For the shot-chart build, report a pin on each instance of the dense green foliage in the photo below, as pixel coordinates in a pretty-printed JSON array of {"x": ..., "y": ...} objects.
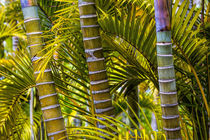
[{"x": 129, "y": 37}]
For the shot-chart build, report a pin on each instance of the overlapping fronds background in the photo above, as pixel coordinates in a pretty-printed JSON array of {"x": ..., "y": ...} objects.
[{"x": 128, "y": 33}]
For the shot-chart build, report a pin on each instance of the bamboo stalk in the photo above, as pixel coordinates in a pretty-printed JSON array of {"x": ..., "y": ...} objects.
[
  {"x": 45, "y": 85},
  {"x": 167, "y": 82},
  {"x": 95, "y": 59}
]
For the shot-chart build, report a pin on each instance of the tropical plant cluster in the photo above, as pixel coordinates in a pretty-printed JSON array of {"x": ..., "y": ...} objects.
[{"x": 127, "y": 29}]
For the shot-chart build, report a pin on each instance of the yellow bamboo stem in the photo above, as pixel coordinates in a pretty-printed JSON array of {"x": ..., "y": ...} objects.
[{"x": 45, "y": 85}]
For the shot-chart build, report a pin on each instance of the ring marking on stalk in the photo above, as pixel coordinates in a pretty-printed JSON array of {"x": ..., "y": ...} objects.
[
  {"x": 100, "y": 91},
  {"x": 166, "y": 80},
  {"x": 88, "y": 16},
  {"x": 96, "y": 72},
  {"x": 47, "y": 70},
  {"x": 170, "y": 117},
  {"x": 102, "y": 101},
  {"x": 165, "y": 55},
  {"x": 89, "y": 26},
  {"x": 50, "y": 107},
  {"x": 165, "y": 67},
  {"x": 98, "y": 82},
  {"x": 104, "y": 126},
  {"x": 99, "y": 111},
  {"x": 91, "y": 59},
  {"x": 55, "y": 133},
  {"x": 85, "y": 4},
  {"x": 35, "y": 58},
  {"x": 33, "y": 45},
  {"x": 91, "y": 38},
  {"x": 168, "y": 93},
  {"x": 52, "y": 119},
  {"x": 92, "y": 50},
  {"x": 164, "y": 44},
  {"x": 45, "y": 83},
  {"x": 45, "y": 96},
  {"x": 169, "y": 105},
  {"x": 30, "y": 19},
  {"x": 172, "y": 129},
  {"x": 103, "y": 119},
  {"x": 33, "y": 33}
]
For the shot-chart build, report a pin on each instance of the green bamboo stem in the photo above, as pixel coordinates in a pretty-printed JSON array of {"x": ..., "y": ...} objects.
[
  {"x": 95, "y": 59},
  {"x": 45, "y": 85},
  {"x": 167, "y": 82}
]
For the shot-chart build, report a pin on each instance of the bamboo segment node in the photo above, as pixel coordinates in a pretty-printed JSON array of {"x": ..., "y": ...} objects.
[
  {"x": 46, "y": 70},
  {"x": 100, "y": 91},
  {"x": 94, "y": 59},
  {"x": 31, "y": 19},
  {"x": 92, "y": 50},
  {"x": 91, "y": 53},
  {"x": 102, "y": 101},
  {"x": 100, "y": 111},
  {"x": 45, "y": 83},
  {"x": 89, "y": 26},
  {"x": 98, "y": 82},
  {"x": 96, "y": 72},
  {"x": 169, "y": 105},
  {"x": 90, "y": 38},
  {"x": 170, "y": 117},
  {"x": 50, "y": 107},
  {"x": 52, "y": 119},
  {"x": 168, "y": 93},
  {"x": 104, "y": 126},
  {"x": 33, "y": 45},
  {"x": 172, "y": 129},
  {"x": 55, "y": 133},
  {"x": 114, "y": 133},
  {"x": 33, "y": 33},
  {"x": 103, "y": 119},
  {"x": 88, "y": 16},
  {"x": 165, "y": 55},
  {"x": 35, "y": 58},
  {"x": 163, "y": 43},
  {"x": 165, "y": 67},
  {"x": 86, "y": 3},
  {"x": 48, "y": 95},
  {"x": 166, "y": 81}
]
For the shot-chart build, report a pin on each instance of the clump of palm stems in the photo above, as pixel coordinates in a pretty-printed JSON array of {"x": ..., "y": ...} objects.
[{"x": 127, "y": 30}]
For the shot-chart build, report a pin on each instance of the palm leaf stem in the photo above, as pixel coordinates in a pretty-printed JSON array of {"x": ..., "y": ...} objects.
[{"x": 197, "y": 79}]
